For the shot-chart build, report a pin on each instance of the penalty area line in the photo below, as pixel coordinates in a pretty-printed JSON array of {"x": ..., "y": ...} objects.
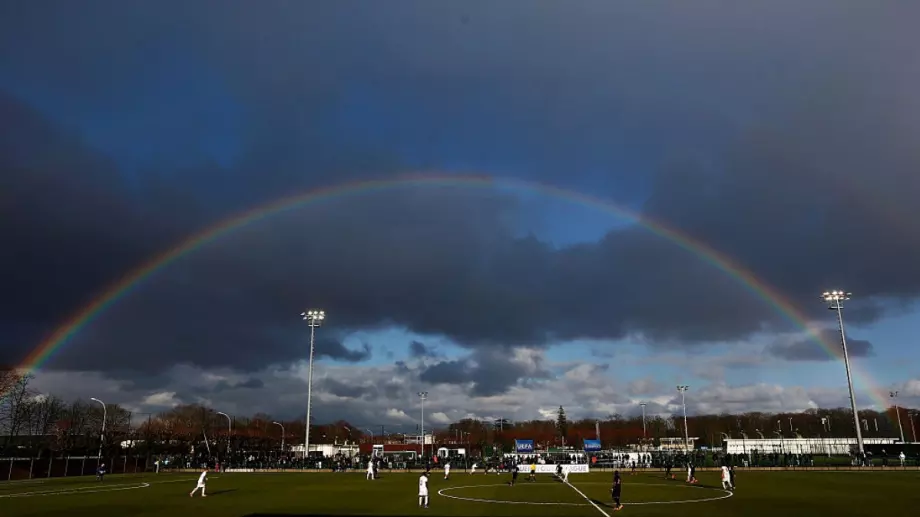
[{"x": 605, "y": 514}]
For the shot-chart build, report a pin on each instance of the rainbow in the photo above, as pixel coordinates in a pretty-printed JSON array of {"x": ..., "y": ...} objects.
[{"x": 122, "y": 287}]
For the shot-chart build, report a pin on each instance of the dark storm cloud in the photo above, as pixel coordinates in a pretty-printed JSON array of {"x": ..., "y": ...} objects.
[
  {"x": 418, "y": 349},
  {"x": 251, "y": 383},
  {"x": 336, "y": 350},
  {"x": 341, "y": 389},
  {"x": 489, "y": 372},
  {"x": 803, "y": 349},
  {"x": 793, "y": 154}
]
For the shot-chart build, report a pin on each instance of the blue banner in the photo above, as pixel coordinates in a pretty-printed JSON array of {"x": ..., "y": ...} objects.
[
  {"x": 523, "y": 446},
  {"x": 592, "y": 445}
]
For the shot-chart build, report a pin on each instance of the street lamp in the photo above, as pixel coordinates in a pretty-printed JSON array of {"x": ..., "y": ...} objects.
[
  {"x": 897, "y": 411},
  {"x": 314, "y": 318},
  {"x": 643, "y": 404},
  {"x": 102, "y": 434},
  {"x": 279, "y": 424},
  {"x": 422, "y": 395},
  {"x": 229, "y": 429},
  {"x": 835, "y": 301},
  {"x": 683, "y": 390}
]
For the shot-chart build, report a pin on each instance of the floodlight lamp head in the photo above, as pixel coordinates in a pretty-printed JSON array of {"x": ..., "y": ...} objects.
[
  {"x": 835, "y": 296},
  {"x": 314, "y": 316}
]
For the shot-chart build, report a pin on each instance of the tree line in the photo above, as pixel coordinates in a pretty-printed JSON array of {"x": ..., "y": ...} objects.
[{"x": 36, "y": 424}]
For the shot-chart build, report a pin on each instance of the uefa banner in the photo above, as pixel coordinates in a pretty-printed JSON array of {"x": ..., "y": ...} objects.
[
  {"x": 523, "y": 446},
  {"x": 578, "y": 468},
  {"x": 592, "y": 445}
]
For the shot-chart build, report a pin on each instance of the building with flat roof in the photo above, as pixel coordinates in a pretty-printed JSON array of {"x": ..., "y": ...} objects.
[{"x": 829, "y": 446}]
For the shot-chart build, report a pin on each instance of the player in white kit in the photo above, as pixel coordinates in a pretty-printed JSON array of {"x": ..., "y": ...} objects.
[
  {"x": 473, "y": 468},
  {"x": 202, "y": 481},
  {"x": 370, "y": 469},
  {"x": 423, "y": 490},
  {"x": 726, "y": 479},
  {"x": 447, "y": 470}
]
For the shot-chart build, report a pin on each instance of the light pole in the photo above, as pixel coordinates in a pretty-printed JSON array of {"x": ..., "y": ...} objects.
[
  {"x": 835, "y": 301},
  {"x": 897, "y": 411},
  {"x": 911, "y": 415},
  {"x": 725, "y": 436},
  {"x": 422, "y": 395},
  {"x": 102, "y": 434},
  {"x": 683, "y": 401},
  {"x": 279, "y": 424},
  {"x": 644, "y": 435},
  {"x": 314, "y": 318},
  {"x": 373, "y": 438},
  {"x": 229, "y": 429},
  {"x": 782, "y": 445}
]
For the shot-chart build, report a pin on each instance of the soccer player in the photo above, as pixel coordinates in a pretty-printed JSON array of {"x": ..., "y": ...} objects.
[
  {"x": 559, "y": 471},
  {"x": 202, "y": 481},
  {"x": 615, "y": 491},
  {"x": 370, "y": 469},
  {"x": 726, "y": 478},
  {"x": 533, "y": 471},
  {"x": 514, "y": 474},
  {"x": 693, "y": 474},
  {"x": 689, "y": 473},
  {"x": 447, "y": 471},
  {"x": 100, "y": 473},
  {"x": 731, "y": 476},
  {"x": 667, "y": 468},
  {"x": 473, "y": 468},
  {"x": 423, "y": 490}
]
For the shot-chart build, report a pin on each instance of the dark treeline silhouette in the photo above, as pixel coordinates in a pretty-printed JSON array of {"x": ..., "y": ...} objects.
[{"x": 37, "y": 425}]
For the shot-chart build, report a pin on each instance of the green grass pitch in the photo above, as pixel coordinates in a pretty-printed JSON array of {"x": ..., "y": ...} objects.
[{"x": 345, "y": 494}]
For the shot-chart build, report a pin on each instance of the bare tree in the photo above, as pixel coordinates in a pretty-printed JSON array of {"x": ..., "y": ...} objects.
[{"x": 14, "y": 407}]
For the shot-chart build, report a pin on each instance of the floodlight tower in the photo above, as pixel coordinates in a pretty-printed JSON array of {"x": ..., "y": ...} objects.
[
  {"x": 643, "y": 404},
  {"x": 897, "y": 411},
  {"x": 683, "y": 390},
  {"x": 314, "y": 318},
  {"x": 835, "y": 301},
  {"x": 422, "y": 395}
]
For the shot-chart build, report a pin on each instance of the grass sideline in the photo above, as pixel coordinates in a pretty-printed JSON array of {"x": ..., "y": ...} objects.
[{"x": 850, "y": 493}]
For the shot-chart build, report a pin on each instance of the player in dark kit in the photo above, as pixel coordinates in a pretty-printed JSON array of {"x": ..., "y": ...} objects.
[
  {"x": 615, "y": 491},
  {"x": 667, "y": 468},
  {"x": 514, "y": 474}
]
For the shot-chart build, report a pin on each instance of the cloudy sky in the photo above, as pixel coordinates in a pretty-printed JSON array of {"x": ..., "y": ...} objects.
[{"x": 782, "y": 135}]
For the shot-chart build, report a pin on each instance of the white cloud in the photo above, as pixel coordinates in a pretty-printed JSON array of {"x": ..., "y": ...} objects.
[
  {"x": 387, "y": 394},
  {"x": 162, "y": 399},
  {"x": 440, "y": 418}
]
